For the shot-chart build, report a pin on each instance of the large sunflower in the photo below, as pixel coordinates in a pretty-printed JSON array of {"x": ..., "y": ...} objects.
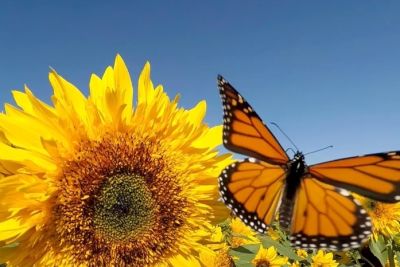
[{"x": 98, "y": 181}]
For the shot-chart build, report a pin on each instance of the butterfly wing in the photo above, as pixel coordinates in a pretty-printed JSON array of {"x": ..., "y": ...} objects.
[
  {"x": 244, "y": 132},
  {"x": 325, "y": 216},
  {"x": 252, "y": 190},
  {"x": 375, "y": 176}
]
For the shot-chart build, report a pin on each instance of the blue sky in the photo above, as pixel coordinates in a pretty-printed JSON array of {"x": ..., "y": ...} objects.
[{"x": 326, "y": 71}]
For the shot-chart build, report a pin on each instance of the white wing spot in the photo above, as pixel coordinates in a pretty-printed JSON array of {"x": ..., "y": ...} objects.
[{"x": 344, "y": 192}]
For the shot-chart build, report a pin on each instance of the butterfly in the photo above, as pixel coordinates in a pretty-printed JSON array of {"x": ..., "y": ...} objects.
[{"x": 313, "y": 203}]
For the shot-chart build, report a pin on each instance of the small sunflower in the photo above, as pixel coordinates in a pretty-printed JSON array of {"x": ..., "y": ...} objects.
[
  {"x": 95, "y": 181},
  {"x": 273, "y": 233},
  {"x": 322, "y": 259},
  {"x": 242, "y": 234},
  {"x": 302, "y": 253},
  {"x": 216, "y": 238},
  {"x": 219, "y": 258},
  {"x": 385, "y": 217},
  {"x": 268, "y": 257}
]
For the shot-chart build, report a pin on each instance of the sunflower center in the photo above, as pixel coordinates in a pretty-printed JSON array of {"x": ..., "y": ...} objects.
[
  {"x": 123, "y": 208},
  {"x": 263, "y": 263},
  {"x": 121, "y": 211}
]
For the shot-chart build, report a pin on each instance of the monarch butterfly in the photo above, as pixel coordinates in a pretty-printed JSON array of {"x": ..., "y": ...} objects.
[{"x": 313, "y": 202}]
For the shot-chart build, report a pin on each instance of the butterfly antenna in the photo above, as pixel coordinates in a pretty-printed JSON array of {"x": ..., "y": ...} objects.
[
  {"x": 290, "y": 149},
  {"x": 319, "y": 150},
  {"x": 279, "y": 128}
]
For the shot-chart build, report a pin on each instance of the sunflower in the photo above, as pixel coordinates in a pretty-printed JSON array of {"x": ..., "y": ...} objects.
[
  {"x": 268, "y": 257},
  {"x": 95, "y": 181},
  {"x": 219, "y": 258},
  {"x": 322, "y": 259},
  {"x": 241, "y": 234},
  {"x": 385, "y": 217},
  {"x": 302, "y": 253},
  {"x": 273, "y": 233}
]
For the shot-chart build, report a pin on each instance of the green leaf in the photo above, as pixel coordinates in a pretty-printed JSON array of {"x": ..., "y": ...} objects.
[
  {"x": 285, "y": 250},
  {"x": 398, "y": 257},
  {"x": 250, "y": 248},
  {"x": 245, "y": 253},
  {"x": 378, "y": 248},
  {"x": 242, "y": 264}
]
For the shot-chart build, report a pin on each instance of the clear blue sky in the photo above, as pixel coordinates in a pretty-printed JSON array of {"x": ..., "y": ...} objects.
[{"x": 327, "y": 71}]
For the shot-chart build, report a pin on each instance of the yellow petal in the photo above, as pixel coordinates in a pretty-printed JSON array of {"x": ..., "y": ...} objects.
[
  {"x": 145, "y": 86},
  {"x": 68, "y": 99},
  {"x": 11, "y": 228},
  {"x": 124, "y": 84},
  {"x": 196, "y": 114},
  {"x": 271, "y": 253},
  {"x": 188, "y": 261},
  {"x": 37, "y": 162},
  {"x": 210, "y": 138},
  {"x": 24, "y": 130}
]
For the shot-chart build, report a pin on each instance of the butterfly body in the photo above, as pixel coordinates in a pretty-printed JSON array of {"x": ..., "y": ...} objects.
[
  {"x": 295, "y": 172},
  {"x": 312, "y": 202}
]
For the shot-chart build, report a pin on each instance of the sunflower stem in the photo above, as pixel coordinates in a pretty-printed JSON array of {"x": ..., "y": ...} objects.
[{"x": 390, "y": 253}]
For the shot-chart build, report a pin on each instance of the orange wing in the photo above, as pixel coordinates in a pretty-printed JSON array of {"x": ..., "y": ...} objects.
[
  {"x": 252, "y": 190},
  {"x": 244, "y": 131},
  {"x": 327, "y": 217},
  {"x": 376, "y": 176}
]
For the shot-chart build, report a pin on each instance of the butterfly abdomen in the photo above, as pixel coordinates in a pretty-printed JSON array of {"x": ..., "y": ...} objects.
[{"x": 296, "y": 170}]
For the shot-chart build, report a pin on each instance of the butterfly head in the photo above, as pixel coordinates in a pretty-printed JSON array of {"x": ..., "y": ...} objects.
[
  {"x": 298, "y": 162},
  {"x": 298, "y": 156}
]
